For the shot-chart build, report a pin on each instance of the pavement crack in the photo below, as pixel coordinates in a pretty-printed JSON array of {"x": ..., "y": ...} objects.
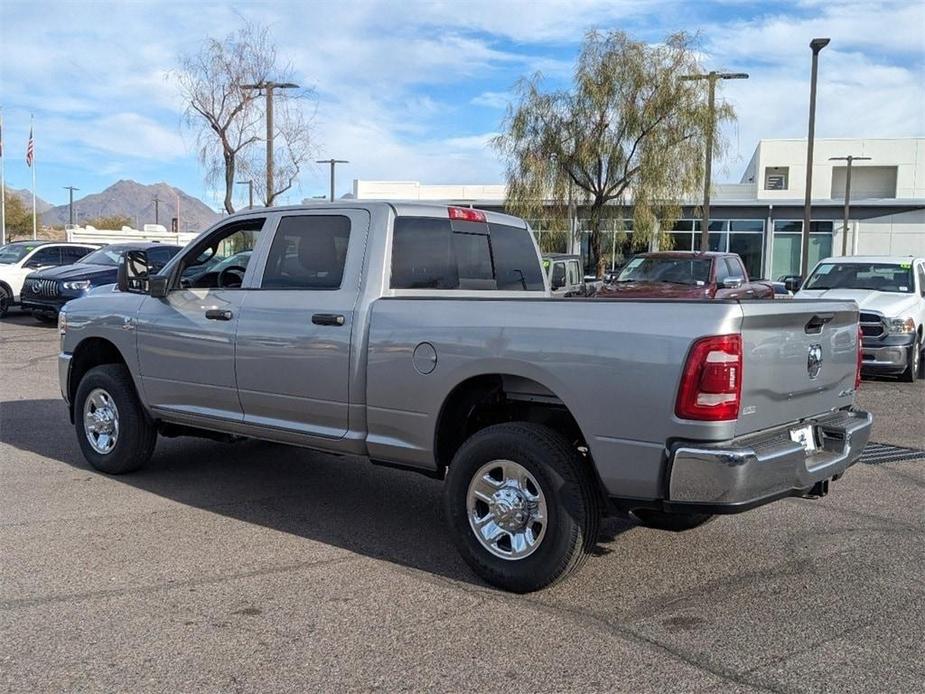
[{"x": 169, "y": 585}]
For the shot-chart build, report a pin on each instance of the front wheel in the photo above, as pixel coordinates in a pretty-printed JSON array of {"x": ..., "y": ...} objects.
[
  {"x": 914, "y": 367},
  {"x": 521, "y": 506},
  {"x": 114, "y": 432},
  {"x": 6, "y": 300}
]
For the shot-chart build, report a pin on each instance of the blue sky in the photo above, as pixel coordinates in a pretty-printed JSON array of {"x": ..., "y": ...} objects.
[{"x": 413, "y": 90}]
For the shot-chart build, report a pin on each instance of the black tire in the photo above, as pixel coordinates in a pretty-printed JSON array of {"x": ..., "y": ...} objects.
[
  {"x": 6, "y": 300},
  {"x": 564, "y": 479},
  {"x": 137, "y": 434},
  {"x": 914, "y": 364},
  {"x": 675, "y": 522}
]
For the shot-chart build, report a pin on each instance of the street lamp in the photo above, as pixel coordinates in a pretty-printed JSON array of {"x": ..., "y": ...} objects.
[
  {"x": 844, "y": 233},
  {"x": 268, "y": 86},
  {"x": 333, "y": 163},
  {"x": 70, "y": 205},
  {"x": 250, "y": 192},
  {"x": 711, "y": 78},
  {"x": 815, "y": 45}
]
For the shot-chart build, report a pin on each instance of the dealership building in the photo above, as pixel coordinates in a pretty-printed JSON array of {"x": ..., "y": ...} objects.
[{"x": 761, "y": 217}]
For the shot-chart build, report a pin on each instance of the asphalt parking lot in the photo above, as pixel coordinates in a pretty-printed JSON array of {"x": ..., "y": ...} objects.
[{"x": 255, "y": 567}]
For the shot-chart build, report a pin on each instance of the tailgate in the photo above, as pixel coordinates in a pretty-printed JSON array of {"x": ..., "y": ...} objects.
[{"x": 782, "y": 344}]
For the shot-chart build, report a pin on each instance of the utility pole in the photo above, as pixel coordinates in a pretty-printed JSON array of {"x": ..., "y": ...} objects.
[
  {"x": 268, "y": 86},
  {"x": 815, "y": 45},
  {"x": 844, "y": 232},
  {"x": 711, "y": 78},
  {"x": 250, "y": 192},
  {"x": 70, "y": 204},
  {"x": 333, "y": 163},
  {"x": 157, "y": 202}
]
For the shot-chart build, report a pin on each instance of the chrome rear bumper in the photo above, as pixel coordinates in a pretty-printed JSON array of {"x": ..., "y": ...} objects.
[{"x": 747, "y": 472}]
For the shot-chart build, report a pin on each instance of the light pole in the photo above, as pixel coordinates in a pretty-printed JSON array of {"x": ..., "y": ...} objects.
[
  {"x": 250, "y": 192},
  {"x": 815, "y": 45},
  {"x": 268, "y": 86},
  {"x": 333, "y": 163},
  {"x": 70, "y": 208},
  {"x": 157, "y": 209},
  {"x": 844, "y": 232},
  {"x": 711, "y": 78}
]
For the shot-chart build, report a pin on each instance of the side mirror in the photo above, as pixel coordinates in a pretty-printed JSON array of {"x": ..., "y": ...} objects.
[
  {"x": 793, "y": 283},
  {"x": 132, "y": 275},
  {"x": 732, "y": 282}
]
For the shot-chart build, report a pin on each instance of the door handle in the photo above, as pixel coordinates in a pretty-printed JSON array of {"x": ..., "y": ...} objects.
[
  {"x": 219, "y": 314},
  {"x": 327, "y": 319}
]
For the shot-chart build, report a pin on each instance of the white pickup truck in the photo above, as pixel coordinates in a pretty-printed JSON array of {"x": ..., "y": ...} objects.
[{"x": 890, "y": 293}]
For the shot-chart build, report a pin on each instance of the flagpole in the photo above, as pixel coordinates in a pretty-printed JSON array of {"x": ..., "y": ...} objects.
[
  {"x": 32, "y": 132},
  {"x": 2, "y": 188}
]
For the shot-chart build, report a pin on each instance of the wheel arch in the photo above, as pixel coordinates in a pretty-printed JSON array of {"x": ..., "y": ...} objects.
[
  {"x": 482, "y": 400},
  {"x": 89, "y": 353}
]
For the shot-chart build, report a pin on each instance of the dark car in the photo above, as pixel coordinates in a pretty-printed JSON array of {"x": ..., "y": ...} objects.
[
  {"x": 46, "y": 291},
  {"x": 685, "y": 275}
]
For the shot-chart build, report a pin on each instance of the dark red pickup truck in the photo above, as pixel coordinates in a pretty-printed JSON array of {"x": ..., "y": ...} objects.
[{"x": 685, "y": 275}]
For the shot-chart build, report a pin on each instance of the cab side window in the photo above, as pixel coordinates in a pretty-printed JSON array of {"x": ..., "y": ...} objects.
[
  {"x": 722, "y": 271},
  {"x": 921, "y": 274},
  {"x": 220, "y": 260},
  {"x": 308, "y": 252}
]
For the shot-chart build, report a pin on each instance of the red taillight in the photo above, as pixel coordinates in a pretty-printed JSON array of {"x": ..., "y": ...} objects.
[
  {"x": 857, "y": 373},
  {"x": 711, "y": 385},
  {"x": 467, "y": 214}
]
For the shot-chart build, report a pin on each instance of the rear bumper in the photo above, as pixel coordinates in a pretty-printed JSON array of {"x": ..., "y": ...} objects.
[{"x": 748, "y": 472}]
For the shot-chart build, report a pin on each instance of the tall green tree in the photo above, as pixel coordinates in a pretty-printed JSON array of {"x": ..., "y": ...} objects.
[{"x": 628, "y": 130}]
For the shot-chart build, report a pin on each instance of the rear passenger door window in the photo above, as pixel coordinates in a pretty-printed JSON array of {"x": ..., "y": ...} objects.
[
  {"x": 308, "y": 252},
  {"x": 434, "y": 253},
  {"x": 71, "y": 254},
  {"x": 44, "y": 257}
]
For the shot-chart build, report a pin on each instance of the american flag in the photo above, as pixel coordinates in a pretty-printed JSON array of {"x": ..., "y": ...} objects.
[{"x": 30, "y": 149}]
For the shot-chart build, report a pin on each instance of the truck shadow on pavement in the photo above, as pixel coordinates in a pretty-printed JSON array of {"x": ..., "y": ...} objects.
[{"x": 341, "y": 501}]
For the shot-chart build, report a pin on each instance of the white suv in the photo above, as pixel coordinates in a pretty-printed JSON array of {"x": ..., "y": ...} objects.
[
  {"x": 19, "y": 258},
  {"x": 890, "y": 293}
]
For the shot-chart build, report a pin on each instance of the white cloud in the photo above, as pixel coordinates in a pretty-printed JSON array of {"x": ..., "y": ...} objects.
[{"x": 499, "y": 100}]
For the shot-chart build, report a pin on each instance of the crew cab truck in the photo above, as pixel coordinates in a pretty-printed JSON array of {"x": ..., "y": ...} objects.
[
  {"x": 686, "y": 275},
  {"x": 890, "y": 293},
  {"x": 424, "y": 337}
]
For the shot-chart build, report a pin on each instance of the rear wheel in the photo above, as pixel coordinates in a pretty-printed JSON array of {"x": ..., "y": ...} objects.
[
  {"x": 675, "y": 522},
  {"x": 114, "y": 432},
  {"x": 521, "y": 506}
]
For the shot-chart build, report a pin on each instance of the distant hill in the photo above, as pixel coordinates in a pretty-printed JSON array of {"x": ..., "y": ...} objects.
[
  {"x": 25, "y": 195},
  {"x": 136, "y": 201}
]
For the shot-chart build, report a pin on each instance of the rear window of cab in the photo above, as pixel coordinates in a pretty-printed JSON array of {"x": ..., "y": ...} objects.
[{"x": 435, "y": 253}]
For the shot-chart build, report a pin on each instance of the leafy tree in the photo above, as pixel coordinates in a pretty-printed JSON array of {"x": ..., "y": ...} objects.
[
  {"x": 18, "y": 218},
  {"x": 627, "y": 126},
  {"x": 228, "y": 119}
]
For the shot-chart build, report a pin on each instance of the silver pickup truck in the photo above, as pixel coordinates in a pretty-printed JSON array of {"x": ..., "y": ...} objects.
[{"x": 424, "y": 337}]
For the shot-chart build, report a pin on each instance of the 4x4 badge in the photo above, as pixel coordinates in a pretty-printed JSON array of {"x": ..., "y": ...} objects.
[{"x": 814, "y": 361}]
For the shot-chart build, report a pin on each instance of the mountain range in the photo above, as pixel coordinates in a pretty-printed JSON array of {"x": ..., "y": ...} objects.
[
  {"x": 135, "y": 201},
  {"x": 25, "y": 195}
]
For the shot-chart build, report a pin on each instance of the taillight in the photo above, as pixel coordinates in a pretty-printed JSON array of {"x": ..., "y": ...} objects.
[
  {"x": 711, "y": 385},
  {"x": 467, "y": 214},
  {"x": 857, "y": 373}
]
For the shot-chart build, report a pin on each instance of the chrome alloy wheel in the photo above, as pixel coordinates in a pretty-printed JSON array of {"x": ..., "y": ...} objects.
[
  {"x": 507, "y": 509},
  {"x": 101, "y": 421}
]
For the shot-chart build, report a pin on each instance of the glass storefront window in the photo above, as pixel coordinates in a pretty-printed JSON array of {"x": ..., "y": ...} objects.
[{"x": 788, "y": 245}]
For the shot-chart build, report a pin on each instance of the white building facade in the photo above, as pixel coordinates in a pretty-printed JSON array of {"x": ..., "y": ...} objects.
[{"x": 760, "y": 218}]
